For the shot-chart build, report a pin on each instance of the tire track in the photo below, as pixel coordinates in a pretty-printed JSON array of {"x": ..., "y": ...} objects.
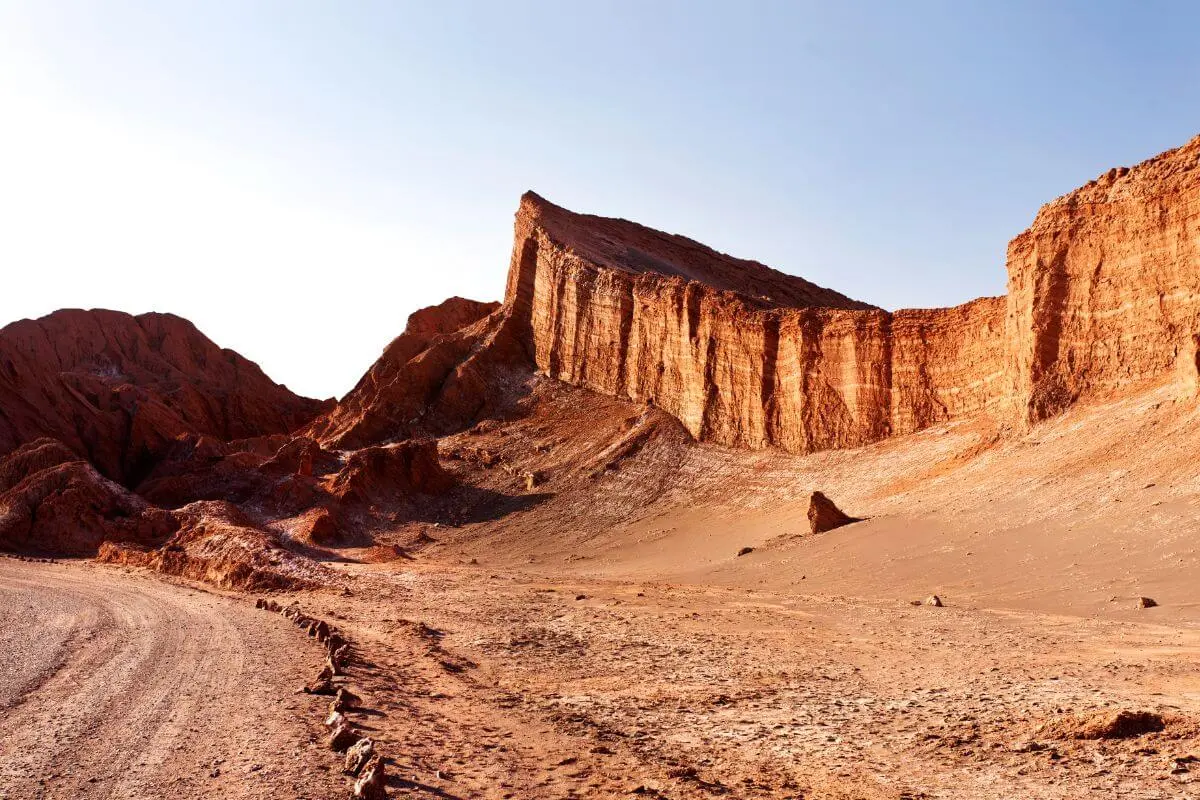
[{"x": 145, "y": 689}]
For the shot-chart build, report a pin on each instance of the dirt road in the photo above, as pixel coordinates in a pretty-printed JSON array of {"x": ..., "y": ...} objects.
[{"x": 116, "y": 685}]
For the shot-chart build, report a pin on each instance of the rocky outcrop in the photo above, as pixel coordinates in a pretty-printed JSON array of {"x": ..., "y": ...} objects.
[
  {"x": 63, "y": 506},
  {"x": 217, "y": 543},
  {"x": 390, "y": 472},
  {"x": 739, "y": 353},
  {"x": 30, "y": 458},
  {"x": 118, "y": 389},
  {"x": 1104, "y": 287},
  {"x": 823, "y": 515},
  {"x": 1104, "y": 293},
  {"x": 440, "y": 375}
]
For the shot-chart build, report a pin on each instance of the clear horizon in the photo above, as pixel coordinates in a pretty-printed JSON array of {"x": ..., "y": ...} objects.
[{"x": 296, "y": 178}]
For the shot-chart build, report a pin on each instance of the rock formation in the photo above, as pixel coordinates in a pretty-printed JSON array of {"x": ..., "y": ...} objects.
[
  {"x": 430, "y": 380},
  {"x": 375, "y": 474},
  {"x": 823, "y": 515},
  {"x": 118, "y": 389},
  {"x": 67, "y": 508},
  {"x": 218, "y": 543},
  {"x": 1104, "y": 287},
  {"x": 739, "y": 353},
  {"x": 1104, "y": 292}
]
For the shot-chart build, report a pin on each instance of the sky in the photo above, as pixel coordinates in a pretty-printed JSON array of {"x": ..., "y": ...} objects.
[{"x": 297, "y": 177}]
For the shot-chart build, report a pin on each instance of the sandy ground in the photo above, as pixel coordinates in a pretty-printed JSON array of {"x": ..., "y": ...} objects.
[
  {"x": 599, "y": 637},
  {"x": 505, "y": 685},
  {"x": 124, "y": 686}
]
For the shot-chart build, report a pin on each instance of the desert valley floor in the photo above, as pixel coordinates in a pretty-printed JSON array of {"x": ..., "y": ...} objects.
[{"x": 574, "y": 650}]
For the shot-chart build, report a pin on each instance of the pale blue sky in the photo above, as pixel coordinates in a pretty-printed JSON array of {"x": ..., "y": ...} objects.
[{"x": 296, "y": 177}]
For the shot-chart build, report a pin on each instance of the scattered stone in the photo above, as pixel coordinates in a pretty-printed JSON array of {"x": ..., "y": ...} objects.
[
  {"x": 343, "y": 737},
  {"x": 322, "y": 685},
  {"x": 1146, "y": 602},
  {"x": 358, "y": 756},
  {"x": 745, "y": 551},
  {"x": 372, "y": 783},
  {"x": 335, "y": 720},
  {"x": 581, "y": 597},
  {"x": 823, "y": 515},
  {"x": 934, "y": 600},
  {"x": 343, "y": 701}
]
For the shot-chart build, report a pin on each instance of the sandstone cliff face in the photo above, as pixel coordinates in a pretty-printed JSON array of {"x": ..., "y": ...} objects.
[
  {"x": 740, "y": 354},
  {"x": 1104, "y": 292},
  {"x": 1104, "y": 288},
  {"x": 118, "y": 389}
]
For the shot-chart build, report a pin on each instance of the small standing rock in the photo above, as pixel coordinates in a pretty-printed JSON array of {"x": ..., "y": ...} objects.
[
  {"x": 322, "y": 685},
  {"x": 745, "y": 551},
  {"x": 933, "y": 600},
  {"x": 343, "y": 738},
  {"x": 358, "y": 756},
  {"x": 372, "y": 783},
  {"x": 823, "y": 515},
  {"x": 344, "y": 700},
  {"x": 1146, "y": 602}
]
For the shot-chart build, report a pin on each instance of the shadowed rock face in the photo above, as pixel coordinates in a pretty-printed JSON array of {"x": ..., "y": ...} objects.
[
  {"x": 59, "y": 504},
  {"x": 118, "y": 389}
]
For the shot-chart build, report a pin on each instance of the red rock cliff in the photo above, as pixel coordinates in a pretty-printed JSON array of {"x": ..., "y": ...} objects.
[
  {"x": 1104, "y": 287},
  {"x": 741, "y": 354},
  {"x": 1104, "y": 292}
]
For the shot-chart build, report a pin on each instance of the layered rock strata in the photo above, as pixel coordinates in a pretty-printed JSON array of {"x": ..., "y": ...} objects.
[
  {"x": 1104, "y": 293},
  {"x": 1104, "y": 287},
  {"x": 739, "y": 353}
]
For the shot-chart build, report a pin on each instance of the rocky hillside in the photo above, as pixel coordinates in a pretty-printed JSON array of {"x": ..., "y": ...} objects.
[{"x": 118, "y": 389}]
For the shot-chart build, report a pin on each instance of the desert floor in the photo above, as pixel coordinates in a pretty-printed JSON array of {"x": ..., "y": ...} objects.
[
  {"x": 507, "y": 684},
  {"x": 602, "y": 638}
]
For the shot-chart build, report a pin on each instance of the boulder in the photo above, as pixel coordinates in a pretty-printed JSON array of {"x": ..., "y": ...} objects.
[
  {"x": 358, "y": 755},
  {"x": 372, "y": 782},
  {"x": 823, "y": 515}
]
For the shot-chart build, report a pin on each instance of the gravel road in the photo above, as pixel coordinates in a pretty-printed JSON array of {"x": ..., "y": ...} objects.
[{"x": 117, "y": 685}]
